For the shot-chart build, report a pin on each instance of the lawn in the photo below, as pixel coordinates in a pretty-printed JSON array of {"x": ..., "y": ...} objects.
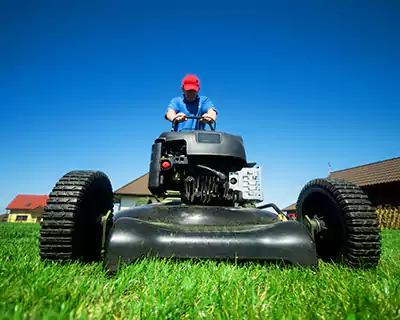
[{"x": 30, "y": 289}]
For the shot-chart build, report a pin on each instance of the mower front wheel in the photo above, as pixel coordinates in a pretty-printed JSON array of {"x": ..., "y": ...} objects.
[
  {"x": 350, "y": 233},
  {"x": 71, "y": 228}
]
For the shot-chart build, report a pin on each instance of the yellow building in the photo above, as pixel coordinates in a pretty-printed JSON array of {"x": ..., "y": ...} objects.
[{"x": 27, "y": 208}]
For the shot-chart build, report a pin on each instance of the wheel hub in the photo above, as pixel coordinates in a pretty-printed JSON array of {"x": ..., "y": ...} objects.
[{"x": 315, "y": 225}]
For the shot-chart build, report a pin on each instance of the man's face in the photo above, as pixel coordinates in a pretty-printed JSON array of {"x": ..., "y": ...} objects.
[{"x": 190, "y": 95}]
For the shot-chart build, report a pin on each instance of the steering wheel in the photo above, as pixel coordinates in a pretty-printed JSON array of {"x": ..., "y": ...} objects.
[{"x": 174, "y": 123}]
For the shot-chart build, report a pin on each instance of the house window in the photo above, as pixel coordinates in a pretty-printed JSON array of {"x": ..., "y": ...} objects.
[{"x": 21, "y": 218}]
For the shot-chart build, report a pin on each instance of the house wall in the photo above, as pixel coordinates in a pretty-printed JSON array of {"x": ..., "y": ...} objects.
[
  {"x": 23, "y": 216},
  {"x": 388, "y": 193},
  {"x": 382, "y": 194},
  {"x": 127, "y": 202}
]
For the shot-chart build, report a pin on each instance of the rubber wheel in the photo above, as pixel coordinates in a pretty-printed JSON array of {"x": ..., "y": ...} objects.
[
  {"x": 71, "y": 226},
  {"x": 352, "y": 230}
]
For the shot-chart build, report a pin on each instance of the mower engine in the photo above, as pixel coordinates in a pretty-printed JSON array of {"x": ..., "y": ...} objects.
[{"x": 206, "y": 168}]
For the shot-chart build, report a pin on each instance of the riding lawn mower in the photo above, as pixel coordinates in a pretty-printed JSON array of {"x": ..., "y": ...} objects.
[{"x": 209, "y": 207}]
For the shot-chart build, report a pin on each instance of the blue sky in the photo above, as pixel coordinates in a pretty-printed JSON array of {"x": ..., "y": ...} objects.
[{"x": 84, "y": 85}]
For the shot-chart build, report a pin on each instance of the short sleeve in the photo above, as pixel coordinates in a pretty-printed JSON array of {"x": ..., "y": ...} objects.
[
  {"x": 173, "y": 104},
  {"x": 207, "y": 105}
]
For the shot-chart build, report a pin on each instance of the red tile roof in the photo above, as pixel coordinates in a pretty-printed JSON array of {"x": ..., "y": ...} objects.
[
  {"x": 372, "y": 173},
  {"x": 384, "y": 171},
  {"x": 27, "y": 202}
]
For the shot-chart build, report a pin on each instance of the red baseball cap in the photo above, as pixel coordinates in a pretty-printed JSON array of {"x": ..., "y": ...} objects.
[{"x": 191, "y": 82}]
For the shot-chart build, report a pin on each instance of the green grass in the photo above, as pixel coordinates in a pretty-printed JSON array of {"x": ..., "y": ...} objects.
[{"x": 30, "y": 289}]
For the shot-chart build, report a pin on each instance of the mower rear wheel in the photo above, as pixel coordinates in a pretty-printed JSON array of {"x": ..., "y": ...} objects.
[
  {"x": 71, "y": 226},
  {"x": 351, "y": 234}
]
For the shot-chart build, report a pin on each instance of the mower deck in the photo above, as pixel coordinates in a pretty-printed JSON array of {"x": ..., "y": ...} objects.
[{"x": 207, "y": 232}]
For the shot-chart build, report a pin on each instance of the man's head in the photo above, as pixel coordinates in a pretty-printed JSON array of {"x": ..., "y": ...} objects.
[{"x": 190, "y": 87}]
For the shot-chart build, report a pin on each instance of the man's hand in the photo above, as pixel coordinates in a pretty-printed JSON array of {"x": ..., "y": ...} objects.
[
  {"x": 179, "y": 117},
  {"x": 207, "y": 118}
]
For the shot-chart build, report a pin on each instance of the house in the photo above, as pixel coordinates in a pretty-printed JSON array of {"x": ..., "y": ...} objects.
[
  {"x": 379, "y": 180},
  {"x": 290, "y": 210},
  {"x": 27, "y": 208},
  {"x": 134, "y": 193}
]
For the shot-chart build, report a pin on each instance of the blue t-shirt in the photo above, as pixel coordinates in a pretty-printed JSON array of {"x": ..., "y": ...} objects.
[{"x": 198, "y": 107}]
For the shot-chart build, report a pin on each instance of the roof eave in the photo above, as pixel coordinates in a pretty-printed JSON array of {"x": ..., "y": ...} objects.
[
  {"x": 129, "y": 183},
  {"x": 134, "y": 194},
  {"x": 27, "y": 209}
]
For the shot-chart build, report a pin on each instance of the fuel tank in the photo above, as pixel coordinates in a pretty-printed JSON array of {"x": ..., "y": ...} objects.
[{"x": 208, "y": 143}]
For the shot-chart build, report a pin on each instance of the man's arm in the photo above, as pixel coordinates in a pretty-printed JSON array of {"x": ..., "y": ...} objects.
[
  {"x": 170, "y": 115},
  {"x": 173, "y": 112},
  {"x": 209, "y": 110},
  {"x": 212, "y": 113}
]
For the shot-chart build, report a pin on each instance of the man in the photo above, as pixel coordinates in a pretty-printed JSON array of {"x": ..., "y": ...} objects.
[{"x": 191, "y": 104}]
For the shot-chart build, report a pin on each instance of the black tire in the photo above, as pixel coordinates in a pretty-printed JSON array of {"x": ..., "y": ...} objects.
[
  {"x": 71, "y": 226},
  {"x": 352, "y": 230}
]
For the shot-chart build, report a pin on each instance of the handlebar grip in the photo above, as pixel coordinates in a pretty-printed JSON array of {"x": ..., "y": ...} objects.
[{"x": 174, "y": 123}]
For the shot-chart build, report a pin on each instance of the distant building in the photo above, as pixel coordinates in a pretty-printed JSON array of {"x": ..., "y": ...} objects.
[
  {"x": 4, "y": 217},
  {"x": 379, "y": 180},
  {"x": 26, "y": 208},
  {"x": 133, "y": 192},
  {"x": 290, "y": 210}
]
